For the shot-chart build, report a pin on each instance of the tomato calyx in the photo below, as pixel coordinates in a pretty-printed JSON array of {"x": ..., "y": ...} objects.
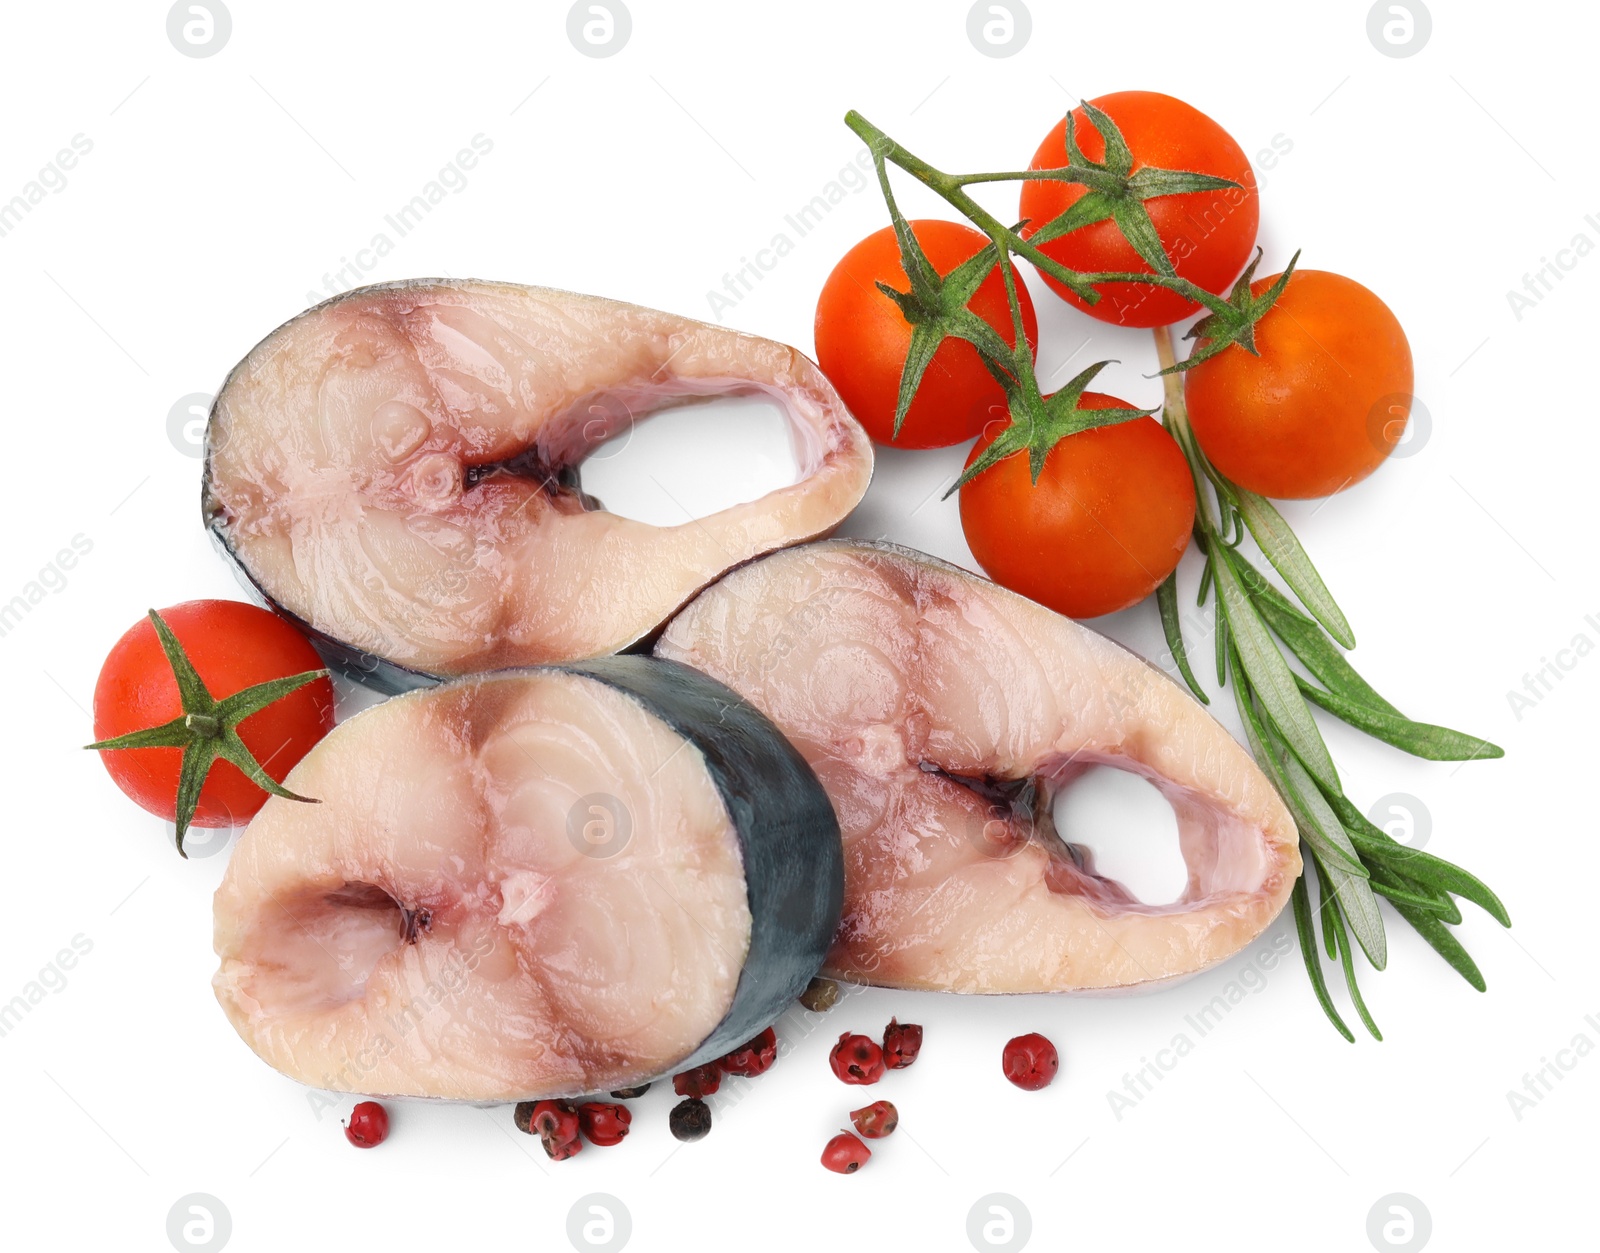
[
  {"x": 1039, "y": 423},
  {"x": 1235, "y": 322},
  {"x": 208, "y": 729},
  {"x": 935, "y": 305},
  {"x": 1115, "y": 191},
  {"x": 936, "y": 308}
]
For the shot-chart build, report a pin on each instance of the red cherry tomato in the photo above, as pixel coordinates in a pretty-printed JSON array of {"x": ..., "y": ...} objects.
[
  {"x": 232, "y": 646},
  {"x": 1102, "y": 528},
  {"x": 1207, "y": 234},
  {"x": 862, "y": 339}
]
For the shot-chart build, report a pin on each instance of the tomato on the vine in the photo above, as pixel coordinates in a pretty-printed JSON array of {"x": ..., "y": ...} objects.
[
  {"x": 862, "y": 338},
  {"x": 1322, "y": 405},
  {"x": 1103, "y": 527},
  {"x": 1207, "y": 234},
  {"x": 230, "y": 646}
]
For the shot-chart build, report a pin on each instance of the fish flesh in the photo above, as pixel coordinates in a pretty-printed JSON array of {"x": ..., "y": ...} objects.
[
  {"x": 532, "y": 884},
  {"x": 398, "y": 469},
  {"x": 943, "y": 714}
]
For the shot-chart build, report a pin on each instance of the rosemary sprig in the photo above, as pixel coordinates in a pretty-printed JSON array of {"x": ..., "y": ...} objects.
[{"x": 1355, "y": 861}]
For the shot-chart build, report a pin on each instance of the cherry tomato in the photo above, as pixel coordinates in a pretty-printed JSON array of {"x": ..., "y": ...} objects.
[
  {"x": 232, "y": 646},
  {"x": 1207, "y": 234},
  {"x": 1322, "y": 405},
  {"x": 1102, "y": 528},
  {"x": 862, "y": 339}
]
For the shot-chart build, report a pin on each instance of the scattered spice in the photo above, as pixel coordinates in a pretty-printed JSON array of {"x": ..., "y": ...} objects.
[
  {"x": 368, "y": 1126},
  {"x": 820, "y": 995},
  {"x": 554, "y": 1122},
  {"x": 604, "y": 1124},
  {"x": 856, "y": 1059},
  {"x": 754, "y": 1057},
  {"x": 698, "y": 1082},
  {"x": 1030, "y": 1061},
  {"x": 845, "y": 1154},
  {"x": 876, "y": 1120},
  {"x": 690, "y": 1120},
  {"x": 902, "y": 1041}
]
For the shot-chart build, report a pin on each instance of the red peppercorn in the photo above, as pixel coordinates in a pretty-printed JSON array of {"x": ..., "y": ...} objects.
[
  {"x": 856, "y": 1059},
  {"x": 845, "y": 1154},
  {"x": 699, "y": 1082},
  {"x": 604, "y": 1124},
  {"x": 876, "y": 1120},
  {"x": 1030, "y": 1061},
  {"x": 753, "y": 1057},
  {"x": 902, "y": 1041},
  {"x": 554, "y": 1122},
  {"x": 368, "y": 1126}
]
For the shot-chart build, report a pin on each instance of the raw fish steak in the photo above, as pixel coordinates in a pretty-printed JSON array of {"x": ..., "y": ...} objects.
[
  {"x": 516, "y": 886},
  {"x": 398, "y": 469},
  {"x": 942, "y": 713}
]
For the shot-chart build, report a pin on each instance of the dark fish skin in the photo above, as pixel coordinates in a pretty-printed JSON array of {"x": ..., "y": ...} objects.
[
  {"x": 788, "y": 834},
  {"x": 788, "y": 839}
]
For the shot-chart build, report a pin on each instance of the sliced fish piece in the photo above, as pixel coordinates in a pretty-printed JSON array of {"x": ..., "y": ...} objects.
[
  {"x": 398, "y": 469},
  {"x": 942, "y": 713},
  {"x": 516, "y": 886}
]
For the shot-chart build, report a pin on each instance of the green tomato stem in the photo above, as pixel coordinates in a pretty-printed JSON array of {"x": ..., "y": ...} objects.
[
  {"x": 948, "y": 186},
  {"x": 203, "y": 725},
  {"x": 1175, "y": 417}
]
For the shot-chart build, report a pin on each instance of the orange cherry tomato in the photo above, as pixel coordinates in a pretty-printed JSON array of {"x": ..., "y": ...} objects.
[{"x": 1322, "y": 405}]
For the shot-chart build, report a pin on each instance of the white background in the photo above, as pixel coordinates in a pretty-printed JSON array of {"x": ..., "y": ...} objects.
[{"x": 218, "y": 193}]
